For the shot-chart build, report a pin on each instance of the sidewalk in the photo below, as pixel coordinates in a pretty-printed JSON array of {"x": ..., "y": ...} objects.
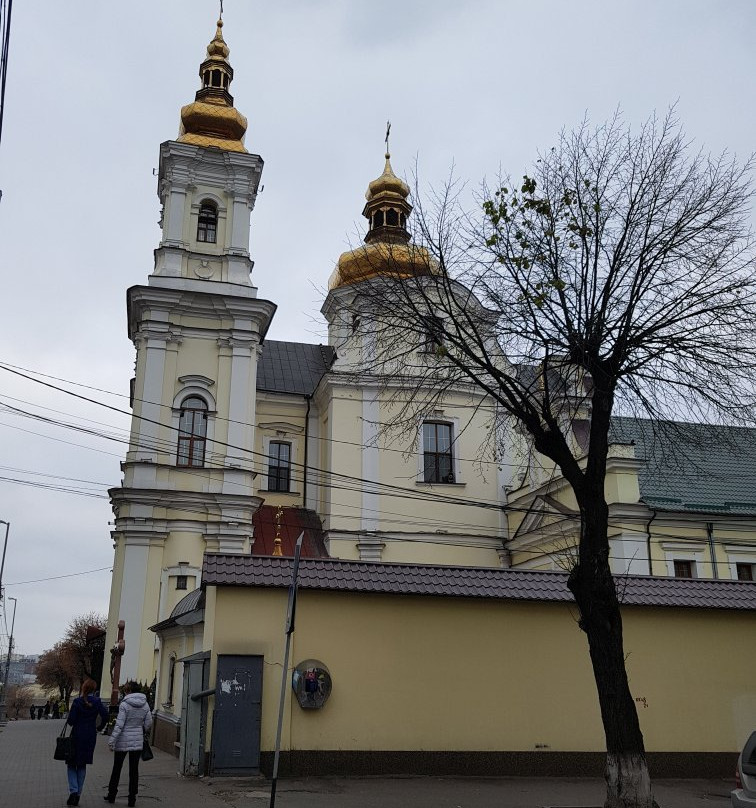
[{"x": 30, "y": 778}]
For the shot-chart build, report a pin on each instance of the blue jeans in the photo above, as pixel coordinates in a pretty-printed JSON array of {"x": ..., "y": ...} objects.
[{"x": 76, "y": 775}]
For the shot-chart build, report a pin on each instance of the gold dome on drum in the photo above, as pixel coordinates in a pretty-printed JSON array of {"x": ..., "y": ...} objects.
[
  {"x": 381, "y": 259},
  {"x": 211, "y": 119},
  {"x": 388, "y": 251}
]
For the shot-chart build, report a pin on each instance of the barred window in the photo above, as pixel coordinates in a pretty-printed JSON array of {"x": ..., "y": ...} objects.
[{"x": 684, "y": 569}]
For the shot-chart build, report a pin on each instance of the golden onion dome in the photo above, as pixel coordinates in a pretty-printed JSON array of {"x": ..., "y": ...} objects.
[
  {"x": 387, "y": 183},
  {"x": 382, "y": 259},
  {"x": 388, "y": 251},
  {"x": 218, "y": 46},
  {"x": 211, "y": 119}
]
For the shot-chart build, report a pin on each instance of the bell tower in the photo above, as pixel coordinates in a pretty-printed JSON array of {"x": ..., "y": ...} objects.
[{"x": 197, "y": 326}]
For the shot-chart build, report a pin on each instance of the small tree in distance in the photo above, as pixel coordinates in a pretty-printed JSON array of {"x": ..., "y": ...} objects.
[
  {"x": 65, "y": 666},
  {"x": 56, "y": 670},
  {"x": 616, "y": 277}
]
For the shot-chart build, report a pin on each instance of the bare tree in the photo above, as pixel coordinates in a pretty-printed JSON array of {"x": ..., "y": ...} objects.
[
  {"x": 616, "y": 277},
  {"x": 20, "y": 698},
  {"x": 85, "y": 638},
  {"x": 57, "y": 670}
]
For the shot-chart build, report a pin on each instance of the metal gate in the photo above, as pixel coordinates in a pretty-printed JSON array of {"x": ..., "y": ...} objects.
[{"x": 237, "y": 715}]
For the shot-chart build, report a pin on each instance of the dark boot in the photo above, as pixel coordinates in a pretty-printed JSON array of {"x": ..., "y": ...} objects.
[
  {"x": 132, "y": 802},
  {"x": 109, "y": 797}
]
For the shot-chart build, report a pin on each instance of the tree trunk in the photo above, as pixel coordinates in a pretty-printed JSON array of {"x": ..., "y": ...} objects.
[{"x": 627, "y": 779}]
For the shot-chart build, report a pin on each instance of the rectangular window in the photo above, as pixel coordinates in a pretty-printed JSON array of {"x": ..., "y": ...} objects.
[
  {"x": 684, "y": 569},
  {"x": 745, "y": 571},
  {"x": 181, "y": 582},
  {"x": 437, "y": 453},
  {"x": 279, "y": 466}
]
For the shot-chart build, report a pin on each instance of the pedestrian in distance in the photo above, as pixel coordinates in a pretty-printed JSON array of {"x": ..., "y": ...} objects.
[
  {"x": 127, "y": 738},
  {"x": 56, "y": 710},
  {"x": 47, "y": 709},
  {"x": 32, "y": 710},
  {"x": 83, "y": 716}
]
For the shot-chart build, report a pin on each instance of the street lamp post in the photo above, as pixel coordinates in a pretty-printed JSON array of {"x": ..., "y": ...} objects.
[
  {"x": 5, "y": 547},
  {"x": 7, "y": 663}
]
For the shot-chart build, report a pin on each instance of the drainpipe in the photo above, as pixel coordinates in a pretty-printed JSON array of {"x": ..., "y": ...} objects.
[
  {"x": 654, "y": 514},
  {"x": 712, "y": 554},
  {"x": 307, "y": 442}
]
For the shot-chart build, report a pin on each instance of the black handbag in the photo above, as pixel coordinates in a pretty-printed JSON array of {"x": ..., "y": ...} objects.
[
  {"x": 64, "y": 749},
  {"x": 146, "y": 750}
]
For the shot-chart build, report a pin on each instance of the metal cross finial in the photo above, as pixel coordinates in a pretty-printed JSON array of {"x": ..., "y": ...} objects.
[
  {"x": 388, "y": 130},
  {"x": 221, "y": 10}
]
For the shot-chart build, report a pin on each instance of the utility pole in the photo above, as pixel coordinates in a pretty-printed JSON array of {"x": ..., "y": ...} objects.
[
  {"x": 5, "y": 547},
  {"x": 7, "y": 665}
]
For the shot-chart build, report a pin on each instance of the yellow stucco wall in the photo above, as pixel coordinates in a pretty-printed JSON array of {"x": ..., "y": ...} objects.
[{"x": 487, "y": 675}]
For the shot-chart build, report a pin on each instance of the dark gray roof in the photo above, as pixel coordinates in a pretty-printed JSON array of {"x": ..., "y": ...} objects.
[
  {"x": 188, "y": 611},
  {"x": 468, "y": 582},
  {"x": 292, "y": 367},
  {"x": 699, "y": 468}
]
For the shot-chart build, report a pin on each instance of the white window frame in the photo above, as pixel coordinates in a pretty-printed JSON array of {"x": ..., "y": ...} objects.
[
  {"x": 194, "y": 385},
  {"x": 739, "y": 555},
  {"x": 220, "y": 233},
  {"x": 683, "y": 552}
]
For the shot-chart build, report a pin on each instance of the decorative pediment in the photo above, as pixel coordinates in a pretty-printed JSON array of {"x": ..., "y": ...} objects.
[
  {"x": 282, "y": 426},
  {"x": 196, "y": 379}
]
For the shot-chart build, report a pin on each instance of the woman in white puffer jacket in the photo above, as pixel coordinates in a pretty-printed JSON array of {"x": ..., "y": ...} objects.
[{"x": 127, "y": 737}]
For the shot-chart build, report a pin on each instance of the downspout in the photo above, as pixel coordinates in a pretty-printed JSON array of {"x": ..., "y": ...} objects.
[
  {"x": 307, "y": 445},
  {"x": 712, "y": 554},
  {"x": 654, "y": 514}
]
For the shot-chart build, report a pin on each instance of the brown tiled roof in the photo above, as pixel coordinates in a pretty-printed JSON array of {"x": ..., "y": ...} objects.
[
  {"x": 469, "y": 582},
  {"x": 293, "y": 522}
]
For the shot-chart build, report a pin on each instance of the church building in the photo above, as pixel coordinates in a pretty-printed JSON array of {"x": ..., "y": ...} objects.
[
  {"x": 418, "y": 646},
  {"x": 236, "y": 438}
]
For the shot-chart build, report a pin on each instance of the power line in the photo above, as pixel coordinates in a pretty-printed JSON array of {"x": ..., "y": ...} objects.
[
  {"x": 16, "y": 368},
  {"x": 6, "y": 8},
  {"x": 58, "y": 577}
]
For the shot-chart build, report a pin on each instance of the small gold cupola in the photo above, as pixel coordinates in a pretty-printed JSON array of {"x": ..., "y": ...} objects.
[
  {"x": 211, "y": 119},
  {"x": 387, "y": 208},
  {"x": 387, "y": 251}
]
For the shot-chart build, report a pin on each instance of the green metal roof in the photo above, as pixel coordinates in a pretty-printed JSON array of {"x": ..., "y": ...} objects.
[{"x": 695, "y": 468}]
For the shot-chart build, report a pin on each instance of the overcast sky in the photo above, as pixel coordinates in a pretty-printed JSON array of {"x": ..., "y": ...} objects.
[{"x": 94, "y": 88}]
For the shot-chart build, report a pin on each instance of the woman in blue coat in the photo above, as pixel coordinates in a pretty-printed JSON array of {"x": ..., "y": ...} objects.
[{"x": 83, "y": 718}]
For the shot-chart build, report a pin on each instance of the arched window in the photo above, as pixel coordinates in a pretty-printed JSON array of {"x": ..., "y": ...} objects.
[
  {"x": 392, "y": 218},
  {"x": 192, "y": 433},
  {"x": 378, "y": 219},
  {"x": 207, "y": 226}
]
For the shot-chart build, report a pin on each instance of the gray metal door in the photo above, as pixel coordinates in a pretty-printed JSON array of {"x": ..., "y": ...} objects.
[
  {"x": 237, "y": 714},
  {"x": 193, "y": 715}
]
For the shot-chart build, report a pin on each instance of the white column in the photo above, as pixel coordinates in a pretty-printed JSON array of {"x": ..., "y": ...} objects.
[
  {"x": 628, "y": 554},
  {"x": 173, "y": 217},
  {"x": 131, "y": 606},
  {"x": 147, "y": 425}
]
